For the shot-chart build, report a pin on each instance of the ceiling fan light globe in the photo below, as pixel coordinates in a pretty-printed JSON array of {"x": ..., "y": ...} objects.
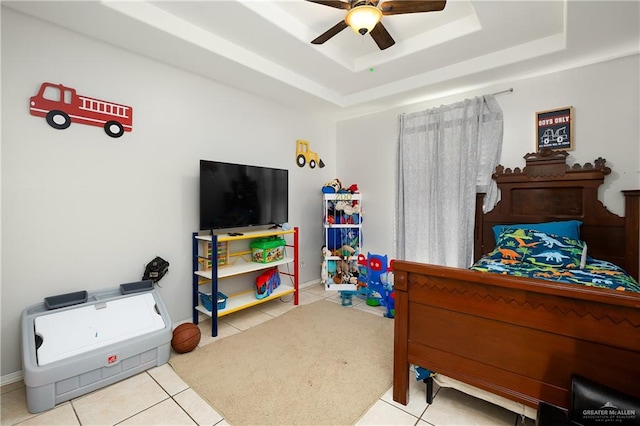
[{"x": 363, "y": 19}]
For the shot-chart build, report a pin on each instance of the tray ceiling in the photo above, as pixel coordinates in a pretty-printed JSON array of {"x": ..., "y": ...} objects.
[{"x": 263, "y": 46}]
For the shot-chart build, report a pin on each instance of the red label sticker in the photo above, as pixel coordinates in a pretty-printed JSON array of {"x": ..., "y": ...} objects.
[{"x": 112, "y": 358}]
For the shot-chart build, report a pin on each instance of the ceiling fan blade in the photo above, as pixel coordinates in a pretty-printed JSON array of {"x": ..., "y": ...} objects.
[
  {"x": 397, "y": 7},
  {"x": 330, "y": 33},
  {"x": 382, "y": 37},
  {"x": 333, "y": 3}
]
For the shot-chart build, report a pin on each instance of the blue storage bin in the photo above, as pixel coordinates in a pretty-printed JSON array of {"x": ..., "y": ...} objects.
[{"x": 207, "y": 300}]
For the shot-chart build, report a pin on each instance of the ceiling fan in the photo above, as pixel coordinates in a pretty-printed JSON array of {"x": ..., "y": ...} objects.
[{"x": 364, "y": 16}]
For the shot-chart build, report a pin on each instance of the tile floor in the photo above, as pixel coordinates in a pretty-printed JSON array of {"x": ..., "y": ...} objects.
[{"x": 159, "y": 397}]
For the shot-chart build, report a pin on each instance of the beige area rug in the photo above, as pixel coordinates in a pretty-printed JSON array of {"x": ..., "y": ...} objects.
[{"x": 318, "y": 364}]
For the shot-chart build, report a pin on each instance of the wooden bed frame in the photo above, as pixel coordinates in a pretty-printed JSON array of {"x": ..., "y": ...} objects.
[{"x": 523, "y": 338}]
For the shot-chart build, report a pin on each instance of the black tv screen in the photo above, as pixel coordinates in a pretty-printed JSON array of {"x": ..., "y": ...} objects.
[{"x": 238, "y": 195}]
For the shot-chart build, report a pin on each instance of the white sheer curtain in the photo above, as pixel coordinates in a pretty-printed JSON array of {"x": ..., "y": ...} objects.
[{"x": 445, "y": 155}]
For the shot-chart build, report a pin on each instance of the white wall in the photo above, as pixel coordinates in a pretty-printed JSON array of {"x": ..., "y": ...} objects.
[
  {"x": 83, "y": 211},
  {"x": 606, "y": 101}
]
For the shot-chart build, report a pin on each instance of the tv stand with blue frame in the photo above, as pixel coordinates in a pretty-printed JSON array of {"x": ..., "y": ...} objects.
[{"x": 239, "y": 263}]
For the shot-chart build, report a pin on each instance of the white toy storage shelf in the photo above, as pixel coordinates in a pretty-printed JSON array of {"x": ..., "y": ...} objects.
[{"x": 342, "y": 222}]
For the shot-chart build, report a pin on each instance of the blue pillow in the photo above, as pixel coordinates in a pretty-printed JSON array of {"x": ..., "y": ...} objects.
[
  {"x": 566, "y": 228},
  {"x": 539, "y": 248}
]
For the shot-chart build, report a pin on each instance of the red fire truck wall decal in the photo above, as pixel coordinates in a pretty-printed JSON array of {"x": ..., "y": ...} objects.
[{"x": 61, "y": 106}]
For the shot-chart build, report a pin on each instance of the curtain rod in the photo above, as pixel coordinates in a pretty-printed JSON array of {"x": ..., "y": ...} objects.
[{"x": 503, "y": 91}]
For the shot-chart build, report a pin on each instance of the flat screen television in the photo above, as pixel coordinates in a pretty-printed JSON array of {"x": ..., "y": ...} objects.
[{"x": 240, "y": 195}]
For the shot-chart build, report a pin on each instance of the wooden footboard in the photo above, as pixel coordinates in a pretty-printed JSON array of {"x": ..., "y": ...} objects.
[{"x": 520, "y": 338}]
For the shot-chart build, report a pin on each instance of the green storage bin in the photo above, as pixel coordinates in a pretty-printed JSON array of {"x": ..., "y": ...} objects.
[{"x": 266, "y": 250}]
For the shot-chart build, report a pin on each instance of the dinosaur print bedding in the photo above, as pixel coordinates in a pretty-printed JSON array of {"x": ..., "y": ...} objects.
[{"x": 529, "y": 253}]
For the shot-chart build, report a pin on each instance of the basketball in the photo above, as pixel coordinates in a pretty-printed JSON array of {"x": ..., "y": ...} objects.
[{"x": 185, "y": 338}]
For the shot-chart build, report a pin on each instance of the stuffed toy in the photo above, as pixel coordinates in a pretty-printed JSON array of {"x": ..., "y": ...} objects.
[
  {"x": 340, "y": 205},
  {"x": 354, "y": 190},
  {"x": 324, "y": 273},
  {"x": 332, "y": 187},
  {"x": 347, "y": 251},
  {"x": 351, "y": 209}
]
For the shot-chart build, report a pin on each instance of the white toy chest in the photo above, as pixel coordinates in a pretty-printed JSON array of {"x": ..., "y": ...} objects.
[{"x": 73, "y": 350}]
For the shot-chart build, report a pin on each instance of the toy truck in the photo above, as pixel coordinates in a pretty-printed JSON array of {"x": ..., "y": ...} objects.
[
  {"x": 62, "y": 106},
  {"x": 304, "y": 155}
]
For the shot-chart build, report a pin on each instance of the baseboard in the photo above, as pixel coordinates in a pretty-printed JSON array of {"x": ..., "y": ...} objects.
[
  {"x": 309, "y": 284},
  {"x": 7, "y": 379}
]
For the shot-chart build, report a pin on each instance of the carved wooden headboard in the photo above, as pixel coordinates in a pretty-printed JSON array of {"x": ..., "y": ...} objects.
[{"x": 547, "y": 189}]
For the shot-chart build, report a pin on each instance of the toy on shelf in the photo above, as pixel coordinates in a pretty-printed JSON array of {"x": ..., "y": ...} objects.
[
  {"x": 324, "y": 272},
  {"x": 267, "y": 282},
  {"x": 335, "y": 186},
  {"x": 344, "y": 219},
  {"x": 332, "y": 187},
  {"x": 343, "y": 236},
  {"x": 265, "y": 250},
  {"x": 343, "y": 207},
  {"x": 204, "y": 256},
  {"x": 339, "y": 266}
]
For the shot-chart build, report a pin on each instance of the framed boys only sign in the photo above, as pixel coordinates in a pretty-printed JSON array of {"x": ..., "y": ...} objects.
[{"x": 554, "y": 129}]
